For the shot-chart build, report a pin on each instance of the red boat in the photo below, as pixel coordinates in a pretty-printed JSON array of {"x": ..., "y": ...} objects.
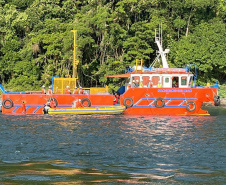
[{"x": 147, "y": 91}]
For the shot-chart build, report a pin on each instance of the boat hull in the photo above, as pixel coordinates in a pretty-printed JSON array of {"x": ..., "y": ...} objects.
[
  {"x": 88, "y": 110},
  {"x": 34, "y": 103},
  {"x": 172, "y": 101},
  {"x": 175, "y": 101}
]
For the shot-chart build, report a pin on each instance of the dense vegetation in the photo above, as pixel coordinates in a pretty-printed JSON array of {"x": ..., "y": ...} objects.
[{"x": 36, "y": 41}]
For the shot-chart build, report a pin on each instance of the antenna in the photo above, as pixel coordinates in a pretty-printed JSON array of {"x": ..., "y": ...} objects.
[{"x": 158, "y": 41}]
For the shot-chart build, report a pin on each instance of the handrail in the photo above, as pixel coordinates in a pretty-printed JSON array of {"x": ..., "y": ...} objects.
[{"x": 2, "y": 89}]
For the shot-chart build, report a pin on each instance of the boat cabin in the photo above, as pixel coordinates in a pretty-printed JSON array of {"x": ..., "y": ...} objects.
[{"x": 161, "y": 78}]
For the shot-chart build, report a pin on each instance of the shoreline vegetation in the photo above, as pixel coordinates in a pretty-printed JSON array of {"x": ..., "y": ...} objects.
[{"x": 36, "y": 41}]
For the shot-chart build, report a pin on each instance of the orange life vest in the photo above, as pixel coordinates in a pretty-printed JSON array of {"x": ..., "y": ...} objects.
[
  {"x": 67, "y": 91},
  {"x": 81, "y": 91},
  {"x": 23, "y": 108},
  {"x": 49, "y": 91},
  {"x": 52, "y": 104},
  {"x": 43, "y": 91},
  {"x": 78, "y": 104},
  {"x": 75, "y": 91}
]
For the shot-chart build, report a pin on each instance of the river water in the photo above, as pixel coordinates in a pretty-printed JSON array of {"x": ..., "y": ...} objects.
[{"x": 113, "y": 149}]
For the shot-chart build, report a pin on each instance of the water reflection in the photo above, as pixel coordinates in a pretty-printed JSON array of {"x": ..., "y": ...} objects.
[{"x": 112, "y": 149}]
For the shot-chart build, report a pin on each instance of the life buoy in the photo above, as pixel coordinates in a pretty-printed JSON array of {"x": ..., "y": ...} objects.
[
  {"x": 162, "y": 102},
  {"x": 217, "y": 100},
  {"x": 128, "y": 102},
  {"x": 6, "y": 105},
  {"x": 190, "y": 106},
  {"x": 54, "y": 99},
  {"x": 86, "y": 102}
]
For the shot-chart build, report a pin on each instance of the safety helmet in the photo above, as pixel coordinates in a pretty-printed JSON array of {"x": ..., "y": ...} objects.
[
  {"x": 67, "y": 86},
  {"x": 43, "y": 86},
  {"x": 76, "y": 87}
]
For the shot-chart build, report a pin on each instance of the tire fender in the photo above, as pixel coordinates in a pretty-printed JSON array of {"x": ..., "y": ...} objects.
[
  {"x": 162, "y": 102},
  {"x": 190, "y": 106},
  {"x": 128, "y": 102},
  {"x": 10, "y": 103},
  {"x": 86, "y": 100}
]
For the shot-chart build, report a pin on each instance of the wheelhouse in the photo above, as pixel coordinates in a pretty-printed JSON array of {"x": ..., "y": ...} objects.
[{"x": 175, "y": 79}]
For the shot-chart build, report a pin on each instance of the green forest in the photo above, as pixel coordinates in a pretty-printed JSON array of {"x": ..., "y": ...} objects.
[{"x": 36, "y": 41}]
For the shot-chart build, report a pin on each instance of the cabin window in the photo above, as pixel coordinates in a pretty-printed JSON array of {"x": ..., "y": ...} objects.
[
  {"x": 183, "y": 80},
  {"x": 175, "y": 81},
  {"x": 155, "y": 80},
  {"x": 145, "y": 80},
  {"x": 166, "y": 80},
  {"x": 136, "y": 81}
]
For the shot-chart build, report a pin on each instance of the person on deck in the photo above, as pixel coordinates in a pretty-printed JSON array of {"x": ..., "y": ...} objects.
[
  {"x": 23, "y": 107},
  {"x": 67, "y": 90},
  {"x": 159, "y": 84},
  {"x": 137, "y": 83},
  {"x": 80, "y": 90},
  {"x": 50, "y": 90},
  {"x": 52, "y": 103},
  {"x": 43, "y": 90},
  {"x": 77, "y": 104},
  {"x": 129, "y": 86},
  {"x": 141, "y": 84},
  {"x": 75, "y": 91},
  {"x": 116, "y": 98},
  {"x": 150, "y": 83}
]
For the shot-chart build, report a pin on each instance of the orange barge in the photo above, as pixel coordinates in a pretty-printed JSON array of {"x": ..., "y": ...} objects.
[{"x": 147, "y": 91}]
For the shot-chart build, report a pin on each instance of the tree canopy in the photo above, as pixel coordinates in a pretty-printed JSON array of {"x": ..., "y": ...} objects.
[{"x": 36, "y": 42}]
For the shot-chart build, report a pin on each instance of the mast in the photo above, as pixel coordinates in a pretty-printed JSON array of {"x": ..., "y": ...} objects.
[
  {"x": 158, "y": 41},
  {"x": 75, "y": 61}
]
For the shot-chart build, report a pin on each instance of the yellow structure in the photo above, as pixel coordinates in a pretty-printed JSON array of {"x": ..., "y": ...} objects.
[
  {"x": 89, "y": 110},
  {"x": 75, "y": 61},
  {"x": 60, "y": 84},
  {"x": 139, "y": 65}
]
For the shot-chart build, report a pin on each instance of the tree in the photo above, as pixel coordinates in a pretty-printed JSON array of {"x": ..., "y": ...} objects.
[{"x": 205, "y": 48}]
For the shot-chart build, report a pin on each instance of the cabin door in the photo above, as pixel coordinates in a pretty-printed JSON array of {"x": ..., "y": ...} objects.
[{"x": 166, "y": 81}]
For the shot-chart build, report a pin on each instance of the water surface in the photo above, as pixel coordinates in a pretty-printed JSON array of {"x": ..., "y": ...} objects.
[{"x": 112, "y": 149}]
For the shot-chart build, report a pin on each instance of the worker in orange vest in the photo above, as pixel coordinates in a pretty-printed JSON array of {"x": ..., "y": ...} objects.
[
  {"x": 23, "y": 107},
  {"x": 52, "y": 103},
  {"x": 43, "y": 90},
  {"x": 80, "y": 90},
  {"x": 75, "y": 91},
  {"x": 77, "y": 103},
  {"x": 50, "y": 90},
  {"x": 67, "y": 90},
  {"x": 116, "y": 98}
]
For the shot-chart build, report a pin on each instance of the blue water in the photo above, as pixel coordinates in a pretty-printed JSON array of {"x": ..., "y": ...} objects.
[{"x": 112, "y": 149}]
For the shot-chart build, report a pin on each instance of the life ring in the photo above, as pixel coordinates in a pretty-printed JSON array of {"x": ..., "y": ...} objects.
[
  {"x": 54, "y": 99},
  {"x": 217, "y": 100},
  {"x": 128, "y": 102},
  {"x": 161, "y": 100},
  {"x": 6, "y": 106},
  {"x": 190, "y": 106},
  {"x": 86, "y": 102}
]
